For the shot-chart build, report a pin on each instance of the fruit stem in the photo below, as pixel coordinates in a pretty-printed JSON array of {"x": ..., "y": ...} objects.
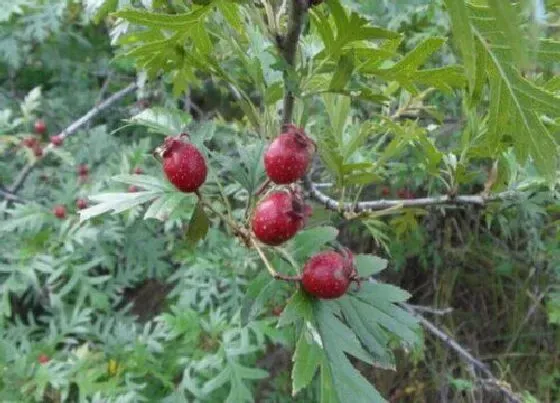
[{"x": 269, "y": 267}]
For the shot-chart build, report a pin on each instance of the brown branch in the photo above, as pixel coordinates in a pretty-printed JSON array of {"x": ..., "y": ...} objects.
[
  {"x": 10, "y": 196},
  {"x": 288, "y": 46},
  {"x": 72, "y": 129},
  {"x": 376, "y": 205}
]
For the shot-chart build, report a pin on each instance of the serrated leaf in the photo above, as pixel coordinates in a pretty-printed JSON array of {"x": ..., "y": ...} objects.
[
  {"x": 306, "y": 358},
  {"x": 378, "y": 292},
  {"x": 198, "y": 226},
  {"x": 116, "y": 202},
  {"x": 310, "y": 241},
  {"x": 178, "y": 22},
  {"x": 163, "y": 207},
  {"x": 149, "y": 183},
  {"x": 165, "y": 121},
  {"x": 299, "y": 307},
  {"x": 368, "y": 265},
  {"x": 463, "y": 36}
]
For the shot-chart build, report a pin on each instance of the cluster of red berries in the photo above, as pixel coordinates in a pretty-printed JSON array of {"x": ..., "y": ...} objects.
[
  {"x": 34, "y": 143},
  {"x": 281, "y": 213}
]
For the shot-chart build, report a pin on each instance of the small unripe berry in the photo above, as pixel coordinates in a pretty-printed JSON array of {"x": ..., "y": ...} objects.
[
  {"x": 278, "y": 217},
  {"x": 81, "y": 204},
  {"x": 183, "y": 164},
  {"x": 59, "y": 211},
  {"x": 328, "y": 274},
  {"x": 83, "y": 170},
  {"x": 40, "y": 126},
  {"x": 57, "y": 140},
  {"x": 288, "y": 157}
]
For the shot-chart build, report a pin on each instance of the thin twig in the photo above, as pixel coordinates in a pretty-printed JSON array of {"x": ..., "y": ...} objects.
[
  {"x": 10, "y": 196},
  {"x": 289, "y": 46},
  {"x": 376, "y": 205},
  {"x": 72, "y": 129},
  {"x": 464, "y": 354},
  {"x": 269, "y": 267}
]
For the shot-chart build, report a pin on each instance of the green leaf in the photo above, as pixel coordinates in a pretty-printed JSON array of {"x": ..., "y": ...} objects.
[
  {"x": 163, "y": 207},
  {"x": 116, "y": 202},
  {"x": 178, "y": 22},
  {"x": 146, "y": 182},
  {"x": 342, "y": 74},
  {"x": 507, "y": 19},
  {"x": 306, "y": 358},
  {"x": 165, "y": 121},
  {"x": 382, "y": 293},
  {"x": 368, "y": 265},
  {"x": 299, "y": 307},
  {"x": 310, "y": 241},
  {"x": 199, "y": 225},
  {"x": 463, "y": 36}
]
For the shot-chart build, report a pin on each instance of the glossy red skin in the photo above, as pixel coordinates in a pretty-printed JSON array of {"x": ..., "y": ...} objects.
[
  {"x": 132, "y": 189},
  {"x": 81, "y": 204},
  {"x": 37, "y": 151},
  {"x": 327, "y": 275},
  {"x": 184, "y": 165},
  {"x": 287, "y": 158},
  {"x": 40, "y": 126},
  {"x": 83, "y": 170},
  {"x": 138, "y": 171},
  {"x": 29, "y": 142},
  {"x": 59, "y": 211},
  {"x": 274, "y": 220},
  {"x": 43, "y": 358},
  {"x": 57, "y": 141}
]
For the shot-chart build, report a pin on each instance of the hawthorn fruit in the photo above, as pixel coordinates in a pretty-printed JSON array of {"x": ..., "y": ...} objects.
[
  {"x": 81, "y": 204},
  {"x": 40, "y": 126},
  {"x": 328, "y": 274},
  {"x": 59, "y": 211},
  {"x": 30, "y": 142},
  {"x": 57, "y": 141},
  {"x": 83, "y": 170},
  {"x": 138, "y": 171},
  {"x": 288, "y": 157},
  {"x": 37, "y": 150},
  {"x": 43, "y": 358},
  {"x": 278, "y": 217},
  {"x": 132, "y": 189},
  {"x": 183, "y": 164},
  {"x": 385, "y": 191}
]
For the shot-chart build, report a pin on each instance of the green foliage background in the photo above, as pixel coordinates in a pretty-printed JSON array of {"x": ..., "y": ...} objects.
[{"x": 143, "y": 297}]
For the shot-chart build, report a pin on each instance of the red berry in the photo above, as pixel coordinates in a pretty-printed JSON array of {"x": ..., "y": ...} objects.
[
  {"x": 43, "y": 358},
  {"x": 37, "y": 151},
  {"x": 385, "y": 191},
  {"x": 138, "y": 171},
  {"x": 288, "y": 156},
  {"x": 57, "y": 141},
  {"x": 59, "y": 211},
  {"x": 132, "y": 189},
  {"x": 401, "y": 193},
  {"x": 183, "y": 164},
  {"x": 40, "y": 126},
  {"x": 81, "y": 204},
  {"x": 328, "y": 274},
  {"x": 83, "y": 170},
  {"x": 277, "y": 310},
  {"x": 278, "y": 217}
]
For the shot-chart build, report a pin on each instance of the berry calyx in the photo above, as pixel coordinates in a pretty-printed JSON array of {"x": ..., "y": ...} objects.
[
  {"x": 132, "y": 189},
  {"x": 43, "y": 358},
  {"x": 81, "y": 204},
  {"x": 40, "y": 126},
  {"x": 59, "y": 211},
  {"x": 183, "y": 164},
  {"x": 328, "y": 274},
  {"x": 278, "y": 217},
  {"x": 288, "y": 157},
  {"x": 37, "y": 151},
  {"x": 57, "y": 141},
  {"x": 83, "y": 170},
  {"x": 138, "y": 171}
]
